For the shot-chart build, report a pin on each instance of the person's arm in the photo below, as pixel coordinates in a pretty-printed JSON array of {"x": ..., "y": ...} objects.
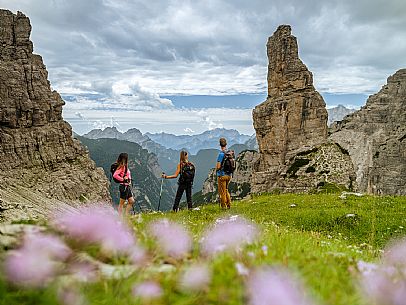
[
  {"x": 118, "y": 174},
  {"x": 174, "y": 175},
  {"x": 128, "y": 176}
]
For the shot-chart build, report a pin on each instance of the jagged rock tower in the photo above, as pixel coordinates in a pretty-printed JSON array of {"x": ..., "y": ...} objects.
[
  {"x": 294, "y": 116},
  {"x": 41, "y": 165},
  {"x": 375, "y": 138}
]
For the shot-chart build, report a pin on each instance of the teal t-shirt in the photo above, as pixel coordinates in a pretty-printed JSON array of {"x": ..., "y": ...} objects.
[{"x": 220, "y": 158}]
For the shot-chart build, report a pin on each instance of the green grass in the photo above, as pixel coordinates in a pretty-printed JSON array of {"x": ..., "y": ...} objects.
[{"x": 315, "y": 239}]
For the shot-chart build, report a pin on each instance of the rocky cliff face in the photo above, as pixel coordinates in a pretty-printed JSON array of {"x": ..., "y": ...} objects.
[
  {"x": 40, "y": 162},
  {"x": 294, "y": 116},
  {"x": 291, "y": 127},
  {"x": 375, "y": 138}
]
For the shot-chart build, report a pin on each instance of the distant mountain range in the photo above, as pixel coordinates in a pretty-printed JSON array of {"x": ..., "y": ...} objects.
[
  {"x": 338, "y": 113},
  {"x": 194, "y": 143},
  {"x": 203, "y": 148},
  {"x": 144, "y": 167},
  {"x": 168, "y": 158}
]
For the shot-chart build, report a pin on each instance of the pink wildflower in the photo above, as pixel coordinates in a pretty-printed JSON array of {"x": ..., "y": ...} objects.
[
  {"x": 36, "y": 262},
  {"x": 97, "y": 225},
  {"x": 71, "y": 296},
  {"x": 47, "y": 244},
  {"x": 267, "y": 286},
  {"x": 385, "y": 284},
  {"x": 172, "y": 237},
  {"x": 137, "y": 255},
  {"x": 30, "y": 269},
  {"x": 395, "y": 253},
  {"x": 84, "y": 271},
  {"x": 147, "y": 290},
  {"x": 195, "y": 278},
  {"x": 366, "y": 268},
  {"x": 229, "y": 234},
  {"x": 241, "y": 269}
]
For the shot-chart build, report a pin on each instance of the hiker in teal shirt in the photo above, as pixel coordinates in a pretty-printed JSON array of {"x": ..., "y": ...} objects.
[{"x": 223, "y": 179}]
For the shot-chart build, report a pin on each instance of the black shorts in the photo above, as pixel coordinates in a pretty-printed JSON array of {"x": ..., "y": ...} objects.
[{"x": 125, "y": 192}]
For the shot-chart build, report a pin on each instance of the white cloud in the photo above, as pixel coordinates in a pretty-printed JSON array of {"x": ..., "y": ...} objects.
[
  {"x": 173, "y": 120},
  {"x": 99, "y": 124},
  {"x": 212, "y": 124},
  {"x": 117, "y": 96},
  {"x": 188, "y": 130},
  {"x": 80, "y": 115},
  {"x": 210, "y": 47}
]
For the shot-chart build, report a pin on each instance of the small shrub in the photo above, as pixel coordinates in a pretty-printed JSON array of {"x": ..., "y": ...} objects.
[
  {"x": 310, "y": 169},
  {"x": 296, "y": 166}
]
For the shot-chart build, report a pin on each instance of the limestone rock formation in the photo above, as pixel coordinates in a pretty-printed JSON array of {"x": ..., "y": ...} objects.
[
  {"x": 41, "y": 165},
  {"x": 293, "y": 119},
  {"x": 310, "y": 170},
  {"x": 375, "y": 138},
  {"x": 365, "y": 151},
  {"x": 294, "y": 116}
]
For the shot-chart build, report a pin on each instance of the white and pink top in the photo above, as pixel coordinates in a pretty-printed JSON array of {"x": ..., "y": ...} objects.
[{"x": 119, "y": 175}]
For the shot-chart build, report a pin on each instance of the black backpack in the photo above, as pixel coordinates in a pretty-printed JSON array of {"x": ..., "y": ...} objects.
[
  {"x": 113, "y": 169},
  {"x": 228, "y": 164},
  {"x": 187, "y": 172}
]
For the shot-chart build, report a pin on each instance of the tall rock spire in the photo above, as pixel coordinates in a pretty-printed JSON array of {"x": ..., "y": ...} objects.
[
  {"x": 294, "y": 116},
  {"x": 286, "y": 72}
]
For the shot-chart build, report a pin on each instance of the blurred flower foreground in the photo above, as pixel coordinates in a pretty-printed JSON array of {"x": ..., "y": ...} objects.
[{"x": 92, "y": 244}]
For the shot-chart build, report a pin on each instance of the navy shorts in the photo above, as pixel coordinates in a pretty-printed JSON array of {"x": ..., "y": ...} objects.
[{"x": 125, "y": 192}]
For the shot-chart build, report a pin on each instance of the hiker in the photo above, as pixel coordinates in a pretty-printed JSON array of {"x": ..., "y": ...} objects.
[
  {"x": 186, "y": 170},
  {"x": 122, "y": 175},
  {"x": 225, "y": 167}
]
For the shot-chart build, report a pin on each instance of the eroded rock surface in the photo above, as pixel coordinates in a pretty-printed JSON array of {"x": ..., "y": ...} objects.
[
  {"x": 292, "y": 121},
  {"x": 41, "y": 165},
  {"x": 375, "y": 137},
  {"x": 294, "y": 116},
  {"x": 310, "y": 171}
]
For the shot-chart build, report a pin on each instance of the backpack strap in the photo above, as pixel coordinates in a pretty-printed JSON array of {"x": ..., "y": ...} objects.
[{"x": 223, "y": 161}]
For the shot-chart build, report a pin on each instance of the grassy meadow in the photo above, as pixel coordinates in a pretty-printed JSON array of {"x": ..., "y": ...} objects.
[{"x": 319, "y": 238}]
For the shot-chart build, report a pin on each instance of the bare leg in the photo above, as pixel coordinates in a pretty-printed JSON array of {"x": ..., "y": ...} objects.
[
  {"x": 129, "y": 205},
  {"x": 121, "y": 206}
]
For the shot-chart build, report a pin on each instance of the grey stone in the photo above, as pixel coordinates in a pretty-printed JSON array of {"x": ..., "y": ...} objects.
[{"x": 375, "y": 138}]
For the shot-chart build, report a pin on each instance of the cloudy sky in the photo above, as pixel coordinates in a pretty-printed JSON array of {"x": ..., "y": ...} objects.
[{"x": 187, "y": 66}]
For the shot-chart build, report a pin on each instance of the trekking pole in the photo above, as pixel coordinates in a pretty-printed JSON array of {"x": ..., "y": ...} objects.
[{"x": 160, "y": 192}]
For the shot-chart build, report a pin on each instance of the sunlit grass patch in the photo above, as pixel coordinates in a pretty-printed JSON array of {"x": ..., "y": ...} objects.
[{"x": 319, "y": 239}]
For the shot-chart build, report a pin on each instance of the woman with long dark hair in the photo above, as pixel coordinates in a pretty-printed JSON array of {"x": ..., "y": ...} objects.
[
  {"x": 186, "y": 170},
  {"x": 123, "y": 175}
]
